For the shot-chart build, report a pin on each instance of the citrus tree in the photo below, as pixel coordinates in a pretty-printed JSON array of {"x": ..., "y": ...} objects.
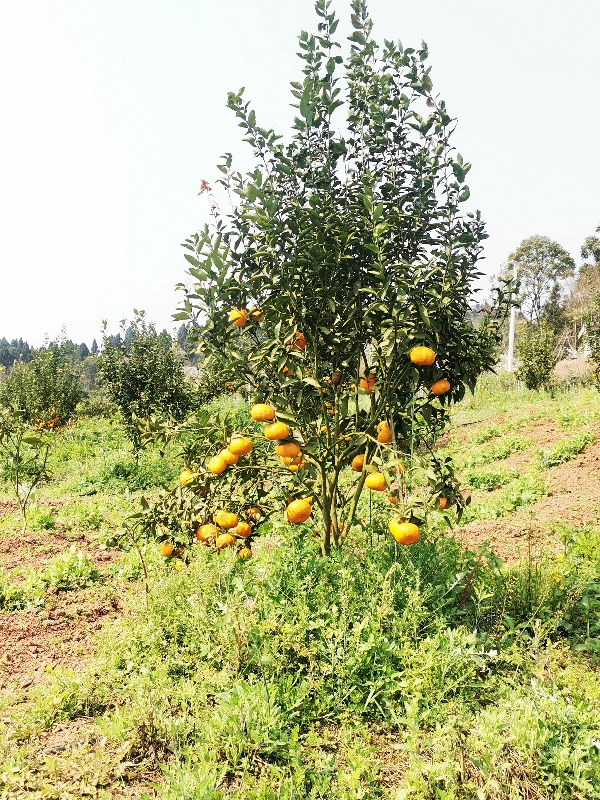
[{"x": 337, "y": 288}]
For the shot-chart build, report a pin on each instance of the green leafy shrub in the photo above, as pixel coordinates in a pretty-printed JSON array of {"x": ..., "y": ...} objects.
[
  {"x": 40, "y": 518},
  {"x": 97, "y": 403},
  {"x": 489, "y": 479},
  {"x": 70, "y": 570},
  {"x": 497, "y": 451},
  {"x": 523, "y": 491},
  {"x": 537, "y": 354},
  {"x": 47, "y": 389},
  {"x": 143, "y": 375}
]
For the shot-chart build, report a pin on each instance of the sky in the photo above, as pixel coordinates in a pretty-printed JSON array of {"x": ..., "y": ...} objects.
[{"x": 113, "y": 111}]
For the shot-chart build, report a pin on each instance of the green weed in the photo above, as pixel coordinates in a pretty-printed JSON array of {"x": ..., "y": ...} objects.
[
  {"x": 519, "y": 493},
  {"x": 566, "y": 449}
]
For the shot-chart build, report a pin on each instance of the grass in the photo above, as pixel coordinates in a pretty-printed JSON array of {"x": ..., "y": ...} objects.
[{"x": 426, "y": 672}]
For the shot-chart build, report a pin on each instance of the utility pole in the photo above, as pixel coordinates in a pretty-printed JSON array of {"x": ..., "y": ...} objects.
[{"x": 511, "y": 330}]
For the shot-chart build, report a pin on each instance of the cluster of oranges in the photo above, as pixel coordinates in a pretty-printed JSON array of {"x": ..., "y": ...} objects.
[
  {"x": 424, "y": 357},
  {"x": 50, "y": 424},
  {"x": 288, "y": 450}
]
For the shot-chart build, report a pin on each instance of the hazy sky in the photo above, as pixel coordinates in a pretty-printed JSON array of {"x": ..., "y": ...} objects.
[{"x": 114, "y": 110}]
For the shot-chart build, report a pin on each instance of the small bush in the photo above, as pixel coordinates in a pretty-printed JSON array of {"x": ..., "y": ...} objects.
[
  {"x": 40, "y": 518},
  {"x": 489, "y": 479},
  {"x": 566, "y": 449},
  {"x": 537, "y": 354},
  {"x": 71, "y": 570}
]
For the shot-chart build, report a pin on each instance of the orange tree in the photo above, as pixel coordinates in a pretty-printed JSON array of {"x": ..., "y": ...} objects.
[{"x": 342, "y": 255}]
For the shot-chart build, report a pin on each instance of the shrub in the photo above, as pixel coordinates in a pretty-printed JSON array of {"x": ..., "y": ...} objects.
[
  {"x": 536, "y": 351},
  {"x": 143, "y": 375},
  {"x": 566, "y": 449},
  {"x": 47, "y": 389}
]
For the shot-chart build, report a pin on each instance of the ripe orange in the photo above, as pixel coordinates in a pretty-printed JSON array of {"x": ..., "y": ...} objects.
[
  {"x": 299, "y": 511},
  {"x": 384, "y": 436},
  {"x": 358, "y": 462},
  {"x": 207, "y": 533},
  {"x": 239, "y": 317},
  {"x": 228, "y": 457},
  {"x": 242, "y": 529},
  {"x": 443, "y": 502},
  {"x": 287, "y": 449},
  {"x": 225, "y": 519},
  {"x": 393, "y": 499},
  {"x": 253, "y": 513},
  {"x": 262, "y": 412},
  {"x": 244, "y": 552},
  {"x": 240, "y": 445},
  {"x": 376, "y": 481},
  {"x": 368, "y": 382},
  {"x": 440, "y": 387},
  {"x": 384, "y": 425},
  {"x": 404, "y": 532},
  {"x": 294, "y": 467},
  {"x": 298, "y": 342},
  {"x": 276, "y": 431},
  {"x": 225, "y": 540},
  {"x": 422, "y": 356},
  {"x": 166, "y": 549},
  {"x": 187, "y": 476},
  {"x": 217, "y": 465}
]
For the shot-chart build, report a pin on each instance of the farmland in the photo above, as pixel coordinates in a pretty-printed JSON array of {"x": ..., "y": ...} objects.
[{"x": 461, "y": 667}]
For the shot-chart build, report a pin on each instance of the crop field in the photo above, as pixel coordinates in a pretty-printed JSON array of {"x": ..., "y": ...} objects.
[{"x": 464, "y": 666}]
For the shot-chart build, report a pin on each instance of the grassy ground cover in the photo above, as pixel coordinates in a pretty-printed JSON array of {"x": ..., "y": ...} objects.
[{"x": 434, "y": 671}]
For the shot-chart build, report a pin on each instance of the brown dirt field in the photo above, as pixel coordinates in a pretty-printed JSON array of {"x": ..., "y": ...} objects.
[{"x": 573, "y": 499}]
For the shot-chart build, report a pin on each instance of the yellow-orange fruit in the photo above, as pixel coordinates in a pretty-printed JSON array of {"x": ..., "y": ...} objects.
[
  {"x": 166, "y": 549},
  {"x": 256, "y": 314},
  {"x": 276, "y": 431},
  {"x": 225, "y": 540},
  {"x": 294, "y": 467},
  {"x": 299, "y": 511},
  {"x": 287, "y": 449},
  {"x": 239, "y": 317},
  {"x": 368, "y": 382},
  {"x": 442, "y": 502},
  {"x": 358, "y": 462},
  {"x": 383, "y": 425},
  {"x": 225, "y": 519},
  {"x": 217, "y": 465},
  {"x": 262, "y": 412},
  {"x": 298, "y": 342},
  {"x": 422, "y": 356},
  {"x": 228, "y": 457},
  {"x": 179, "y": 565},
  {"x": 404, "y": 532},
  {"x": 242, "y": 529},
  {"x": 240, "y": 445},
  {"x": 207, "y": 533},
  {"x": 440, "y": 387},
  {"x": 187, "y": 476},
  {"x": 253, "y": 513},
  {"x": 376, "y": 481},
  {"x": 244, "y": 552},
  {"x": 393, "y": 499},
  {"x": 384, "y": 436}
]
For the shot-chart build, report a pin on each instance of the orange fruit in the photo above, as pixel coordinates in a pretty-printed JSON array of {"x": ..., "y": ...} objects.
[
  {"x": 242, "y": 529},
  {"x": 239, "y": 317},
  {"x": 287, "y": 449},
  {"x": 443, "y": 502},
  {"x": 358, "y": 462},
  {"x": 253, "y": 513},
  {"x": 244, "y": 552},
  {"x": 225, "y": 540},
  {"x": 422, "y": 356},
  {"x": 368, "y": 382},
  {"x": 298, "y": 342},
  {"x": 384, "y": 425},
  {"x": 299, "y": 511},
  {"x": 228, "y": 457},
  {"x": 225, "y": 519},
  {"x": 440, "y": 387},
  {"x": 294, "y": 467},
  {"x": 187, "y": 476},
  {"x": 240, "y": 445},
  {"x": 404, "y": 532},
  {"x": 166, "y": 549},
  {"x": 217, "y": 465},
  {"x": 207, "y": 533},
  {"x": 393, "y": 499},
  {"x": 384, "y": 436},
  {"x": 262, "y": 412},
  {"x": 276, "y": 431},
  {"x": 376, "y": 481}
]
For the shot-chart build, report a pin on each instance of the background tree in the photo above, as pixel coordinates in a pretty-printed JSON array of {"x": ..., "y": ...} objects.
[
  {"x": 142, "y": 372},
  {"x": 47, "y": 389},
  {"x": 536, "y": 349},
  {"x": 541, "y": 265},
  {"x": 341, "y": 255}
]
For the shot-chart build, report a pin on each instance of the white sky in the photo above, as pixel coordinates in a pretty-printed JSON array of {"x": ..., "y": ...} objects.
[{"x": 113, "y": 110}]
